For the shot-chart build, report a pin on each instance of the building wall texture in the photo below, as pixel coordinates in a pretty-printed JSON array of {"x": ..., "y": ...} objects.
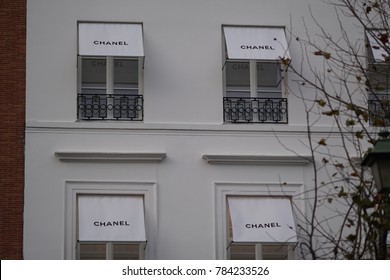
[
  {"x": 12, "y": 115},
  {"x": 183, "y": 123}
]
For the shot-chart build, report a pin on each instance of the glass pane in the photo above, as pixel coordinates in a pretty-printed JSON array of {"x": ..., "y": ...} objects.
[
  {"x": 93, "y": 75},
  {"x": 125, "y": 76},
  {"x": 92, "y": 251},
  {"x": 126, "y": 252},
  {"x": 237, "y": 79},
  {"x": 243, "y": 252},
  {"x": 268, "y": 75},
  {"x": 379, "y": 77},
  {"x": 275, "y": 252}
]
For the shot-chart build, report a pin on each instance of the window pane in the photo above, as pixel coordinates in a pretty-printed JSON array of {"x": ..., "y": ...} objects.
[
  {"x": 92, "y": 251},
  {"x": 243, "y": 252},
  {"x": 268, "y": 75},
  {"x": 93, "y": 75},
  {"x": 126, "y": 76},
  {"x": 126, "y": 252},
  {"x": 275, "y": 252},
  {"x": 379, "y": 78},
  {"x": 237, "y": 79}
]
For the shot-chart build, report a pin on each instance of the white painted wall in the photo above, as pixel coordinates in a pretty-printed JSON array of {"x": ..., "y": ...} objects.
[
  {"x": 183, "y": 52},
  {"x": 183, "y": 118}
]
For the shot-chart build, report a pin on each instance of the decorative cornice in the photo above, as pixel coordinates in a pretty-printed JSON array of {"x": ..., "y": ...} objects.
[
  {"x": 257, "y": 159},
  {"x": 110, "y": 157}
]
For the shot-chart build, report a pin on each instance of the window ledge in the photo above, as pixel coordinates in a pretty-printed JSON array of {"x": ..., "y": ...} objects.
[
  {"x": 110, "y": 157},
  {"x": 257, "y": 159}
]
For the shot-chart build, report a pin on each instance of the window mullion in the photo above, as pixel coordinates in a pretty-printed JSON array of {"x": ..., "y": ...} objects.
[
  {"x": 79, "y": 73},
  {"x": 110, "y": 75},
  {"x": 284, "y": 78},
  {"x": 253, "y": 77},
  {"x": 259, "y": 251},
  {"x": 140, "y": 75},
  {"x": 110, "y": 85},
  {"x": 109, "y": 251}
]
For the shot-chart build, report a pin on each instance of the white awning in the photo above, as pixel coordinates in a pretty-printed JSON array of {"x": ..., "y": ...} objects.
[
  {"x": 262, "y": 219},
  {"x": 378, "y": 53},
  {"x": 111, "y": 39},
  {"x": 111, "y": 218},
  {"x": 260, "y": 43}
]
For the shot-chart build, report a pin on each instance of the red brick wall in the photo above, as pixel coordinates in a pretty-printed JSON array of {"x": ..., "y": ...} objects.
[{"x": 12, "y": 109}]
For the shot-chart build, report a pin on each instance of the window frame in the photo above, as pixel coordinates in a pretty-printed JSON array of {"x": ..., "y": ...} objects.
[
  {"x": 109, "y": 249},
  {"x": 74, "y": 188},
  {"x": 255, "y": 91},
  {"x": 260, "y": 105},
  {"x": 259, "y": 249},
  {"x": 110, "y": 105},
  {"x": 110, "y": 70},
  {"x": 378, "y": 73},
  {"x": 224, "y": 189}
]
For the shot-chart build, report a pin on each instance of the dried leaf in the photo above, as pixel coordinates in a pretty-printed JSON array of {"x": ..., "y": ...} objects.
[
  {"x": 384, "y": 38},
  {"x": 355, "y": 174},
  {"x": 342, "y": 193},
  {"x": 322, "y": 142},
  {"x": 321, "y": 102},
  {"x": 350, "y": 122},
  {"x": 331, "y": 113},
  {"x": 359, "y": 134},
  {"x": 327, "y": 55},
  {"x": 286, "y": 61}
]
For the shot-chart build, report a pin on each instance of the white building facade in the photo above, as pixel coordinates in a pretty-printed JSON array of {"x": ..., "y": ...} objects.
[{"x": 164, "y": 129}]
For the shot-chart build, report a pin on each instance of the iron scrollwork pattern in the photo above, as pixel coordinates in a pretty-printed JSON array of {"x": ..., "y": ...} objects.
[
  {"x": 255, "y": 110},
  {"x": 110, "y": 107}
]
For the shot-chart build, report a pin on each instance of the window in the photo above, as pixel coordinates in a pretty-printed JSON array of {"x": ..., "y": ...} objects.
[
  {"x": 111, "y": 227},
  {"x": 260, "y": 228},
  {"x": 378, "y": 78},
  {"x": 267, "y": 79},
  {"x": 254, "y": 72},
  {"x": 224, "y": 235},
  {"x": 146, "y": 193},
  {"x": 260, "y": 252},
  {"x": 110, "y": 72},
  {"x": 110, "y": 251}
]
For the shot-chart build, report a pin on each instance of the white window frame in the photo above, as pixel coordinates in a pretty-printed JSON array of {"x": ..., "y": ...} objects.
[
  {"x": 224, "y": 189},
  {"x": 109, "y": 248},
  {"x": 110, "y": 72},
  {"x": 74, "y": 188},
  {"x": 258, "y": 248},
  {"x": 254, "y": 89}
]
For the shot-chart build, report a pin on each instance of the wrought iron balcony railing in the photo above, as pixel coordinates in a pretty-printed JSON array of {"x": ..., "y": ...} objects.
[
  {"x": 379, "y": 110},
  {"x": 255, "y": 110},
  {"x": 110, "y": 107}
]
